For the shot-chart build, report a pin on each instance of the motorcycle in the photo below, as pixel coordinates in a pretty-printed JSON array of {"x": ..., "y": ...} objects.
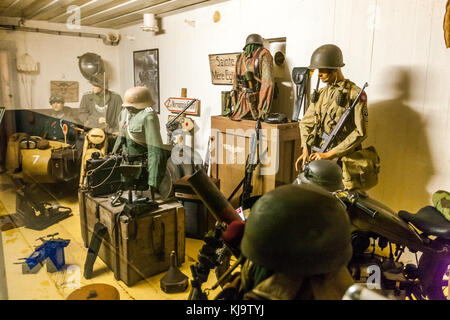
[
  {"x": 426, "y": 232},
  {"x": 374, "y": 225}
]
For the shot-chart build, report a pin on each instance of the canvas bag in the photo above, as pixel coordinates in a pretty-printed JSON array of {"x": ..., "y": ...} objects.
[{"x": 360, "y": 169}]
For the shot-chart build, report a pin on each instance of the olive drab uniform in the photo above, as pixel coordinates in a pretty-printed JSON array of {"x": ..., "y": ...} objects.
[
  {"x": 321, "y": 118},
  {"x": 142, "y": 137},
  {"x": 297, "y": 245},
  {"x": 256, "y": 101},
  {"x": 256, "y": 283}
]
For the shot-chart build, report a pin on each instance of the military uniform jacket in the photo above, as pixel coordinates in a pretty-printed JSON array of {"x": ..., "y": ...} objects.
[
  {"x": 52, "y": 125},
  {"x": 322, "y": 117},
  {"x": 142, "y": 135},
  {"x": 259, "y": 102},
  {"x": 87, "y": 105}
]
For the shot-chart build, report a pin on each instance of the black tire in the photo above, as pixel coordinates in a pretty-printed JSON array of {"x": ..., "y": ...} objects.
[
  {"x": 173, "y": 173},
  {"x": 437, "y": 268}
]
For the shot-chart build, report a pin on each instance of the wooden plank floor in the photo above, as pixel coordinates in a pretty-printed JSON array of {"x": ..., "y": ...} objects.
[{"x": 19, "y": 243}]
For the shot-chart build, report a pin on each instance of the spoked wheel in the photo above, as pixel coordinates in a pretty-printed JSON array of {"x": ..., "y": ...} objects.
[
  {"x": 437, "y": 271},
  {"x": 439, "y": 289}
]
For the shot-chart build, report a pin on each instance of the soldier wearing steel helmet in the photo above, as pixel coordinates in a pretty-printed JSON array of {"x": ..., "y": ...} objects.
[
  {"x": 100, "y": 108},
  {"x": 139, "y": 133},
  {"x": 253, "y": 83},
  {"x": 327, "y": 106},
  {"x": 296, "y": 247}
]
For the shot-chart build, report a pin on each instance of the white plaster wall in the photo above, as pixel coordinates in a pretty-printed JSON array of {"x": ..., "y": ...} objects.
[
  {"x": 57, "y": 58},
  {"x": 397, "y": 46}
]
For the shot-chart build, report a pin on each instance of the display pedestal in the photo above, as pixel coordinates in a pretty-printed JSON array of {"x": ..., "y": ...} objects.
[{"x": 231, "y": 145}]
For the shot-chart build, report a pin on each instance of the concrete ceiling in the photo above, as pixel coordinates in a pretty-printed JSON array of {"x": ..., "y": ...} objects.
[{"x": 113, "y": 14}]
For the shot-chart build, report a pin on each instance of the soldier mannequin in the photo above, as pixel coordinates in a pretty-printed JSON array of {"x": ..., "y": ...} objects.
[
  {"x": 253, "y": 83},
  {"x": 327, "y": 106},
  {"x": 60, "y": 114},
  {"x": 297, "y": 241},
  {"x": 139, "y": 134},
  {"x": 101, "y": 107}
]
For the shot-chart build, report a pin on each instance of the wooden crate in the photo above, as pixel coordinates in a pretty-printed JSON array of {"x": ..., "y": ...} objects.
[
  {"x": 133, "y": 258},
  {"x": 231, "y": 146}
]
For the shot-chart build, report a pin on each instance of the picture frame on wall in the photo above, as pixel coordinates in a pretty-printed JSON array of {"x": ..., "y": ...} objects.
[{"x": 146, "y": 72}]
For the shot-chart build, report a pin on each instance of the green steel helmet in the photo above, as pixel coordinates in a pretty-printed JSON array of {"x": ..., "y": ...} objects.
[
  {"x": 56, "y": 98},
  {"x": 299, "y": 230},
  {"x": 328, "y": 56},
  {"x": 254, "y": 39},
  {"x": 323, "y": 173}
]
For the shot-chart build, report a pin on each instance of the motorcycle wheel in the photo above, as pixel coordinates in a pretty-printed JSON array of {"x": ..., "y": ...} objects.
[{"x": 438, "y": 288}]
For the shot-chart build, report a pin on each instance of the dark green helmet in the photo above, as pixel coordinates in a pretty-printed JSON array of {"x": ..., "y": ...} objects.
[
  {"x": 254, "y": 39},
  {"x": 300, "y": 230},
  {"x": 56, "y": 98},
  {"x": 328, "y": 56},
  {"x": 323, "y": 173}
]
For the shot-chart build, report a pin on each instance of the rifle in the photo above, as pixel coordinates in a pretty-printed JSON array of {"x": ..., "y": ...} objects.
[
  {"x": 330, "y": 138},
  {"x": 251, "y": 164}
]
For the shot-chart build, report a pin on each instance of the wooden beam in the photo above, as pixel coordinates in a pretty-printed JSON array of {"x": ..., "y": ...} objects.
[
  {"x": 136, "y": 16},
  {"x": 16, "y": 8},
  {"x": 62, "y": 17},
  {"x": 119, "y": 11},
  {"x": 59, "y": 8},
  {"x": 6, "y": 4},
  {"x": 89, "y": 8},
  {"x": 162, "y": 10},
  {"x": 31, "y": 12}
]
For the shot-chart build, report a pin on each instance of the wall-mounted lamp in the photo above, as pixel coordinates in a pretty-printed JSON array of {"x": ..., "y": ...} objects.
[{"x": 150, "y": 23}]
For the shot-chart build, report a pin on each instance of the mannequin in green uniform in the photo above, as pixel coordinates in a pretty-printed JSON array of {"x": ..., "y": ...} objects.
[{"x": 140, "y": 137}]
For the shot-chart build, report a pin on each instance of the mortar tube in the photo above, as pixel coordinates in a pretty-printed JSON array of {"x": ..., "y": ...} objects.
[{"x": 212, "y": 198}]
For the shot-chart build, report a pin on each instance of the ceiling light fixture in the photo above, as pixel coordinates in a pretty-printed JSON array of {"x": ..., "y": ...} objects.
[{"x": 150, "y": 23}]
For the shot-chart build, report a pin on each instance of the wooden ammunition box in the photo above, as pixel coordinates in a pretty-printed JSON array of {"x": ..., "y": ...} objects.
[{"x": 134, "y": 250}]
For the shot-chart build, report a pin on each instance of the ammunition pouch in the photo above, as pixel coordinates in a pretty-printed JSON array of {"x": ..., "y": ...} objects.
[
  {"x": 360, "y": 169},
  {"x": 63, "y": 163}
]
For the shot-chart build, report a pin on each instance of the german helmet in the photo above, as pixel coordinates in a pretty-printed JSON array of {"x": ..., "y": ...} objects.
[{"x": 138, "y": 97}]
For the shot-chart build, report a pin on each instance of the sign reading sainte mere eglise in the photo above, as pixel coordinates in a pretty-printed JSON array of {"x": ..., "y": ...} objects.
[{"x": 223, "y": 67}]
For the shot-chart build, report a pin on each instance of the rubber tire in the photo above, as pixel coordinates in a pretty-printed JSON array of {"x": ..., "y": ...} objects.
[
  {"x": 173, "y": 173},
  {"x": 429, "y": 263}
]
